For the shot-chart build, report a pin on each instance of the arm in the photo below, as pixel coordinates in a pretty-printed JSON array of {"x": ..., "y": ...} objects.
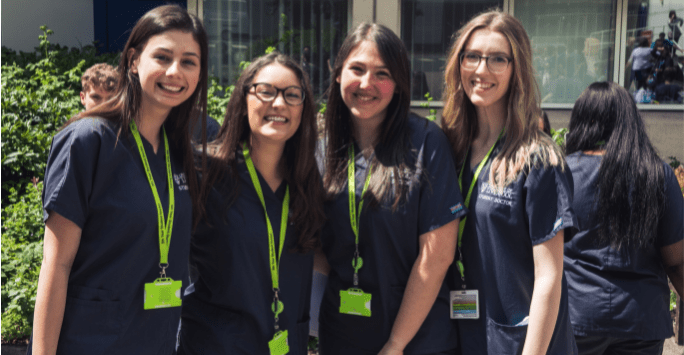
[
  {"x": 673, "y": 260},
  {"x": 548, "y": 275},
  {"x": 321, "y": 263},
  {"x": 62, "y": 238},
  {"x": 436, "y": 252}
]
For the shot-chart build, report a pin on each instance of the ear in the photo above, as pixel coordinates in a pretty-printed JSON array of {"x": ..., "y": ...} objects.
[
  {"x": 338, "y": 79},
  {"x": 133, "y": 60},
  {"x": 83, "y": 96}
]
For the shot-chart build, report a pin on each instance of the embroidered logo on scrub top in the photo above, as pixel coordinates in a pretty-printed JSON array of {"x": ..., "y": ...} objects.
[
  {"x": 181, "y": 181},
  {"x": 455, "y": 209},
  {"x": 490, "y": 193}
]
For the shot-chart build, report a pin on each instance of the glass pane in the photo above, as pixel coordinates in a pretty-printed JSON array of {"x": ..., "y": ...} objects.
[
  {"x": 647, "y": 74},
  {"x": 427, "y": 27},
  {"x": 241, "y": 30},
  {"x": 573, "y": 44}
]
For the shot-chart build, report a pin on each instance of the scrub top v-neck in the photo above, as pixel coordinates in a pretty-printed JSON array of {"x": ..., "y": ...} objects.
[
  {"x": 97, "y": 180},
  {"x": 227, "y": 308},
  {"x": 500, "y": 231},
  {"x": 389, "y": 245},
  {"x": 618, "y": 293}
]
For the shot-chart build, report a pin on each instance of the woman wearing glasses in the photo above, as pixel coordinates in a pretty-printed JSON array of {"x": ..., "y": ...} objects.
[
  {"x": 253, "y": 250},
  {"x": 515, "y": 184}
]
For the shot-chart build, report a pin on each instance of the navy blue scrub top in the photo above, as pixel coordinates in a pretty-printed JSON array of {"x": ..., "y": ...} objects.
[
  {"x": 100, "y": 185},
  {"x": 619, "y": 294},
  {"x": 227, "y": 310},
  {"x": 389, "y": 246},
  {"x": 500, "y": 231}
]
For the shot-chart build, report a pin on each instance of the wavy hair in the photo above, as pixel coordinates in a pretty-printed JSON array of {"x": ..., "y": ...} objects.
[
  {"x": 523, "y": 137},
  {"x": 301, "y": 171},
  {"x": 631, "y": 196},
  {"x": 389, "y": 160},
  {"x": 124, "y": 106}
]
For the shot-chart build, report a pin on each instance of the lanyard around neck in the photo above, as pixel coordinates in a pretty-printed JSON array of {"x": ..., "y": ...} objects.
[
  {"x": 274, "y": 259},
  {"x": 165, "y": 227},
  {"x": 461, "y": 225},
  {"x": 354, "y": 217}
]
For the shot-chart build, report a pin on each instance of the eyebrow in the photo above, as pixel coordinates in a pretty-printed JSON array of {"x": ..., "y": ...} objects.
[
  {"x": 171, "y": 52},
  {"x": 491, "y": 54},
  {"x": 364, "y": 64}
]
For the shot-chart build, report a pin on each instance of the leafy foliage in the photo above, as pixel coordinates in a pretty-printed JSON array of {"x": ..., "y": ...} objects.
[
  {"x": 558, "y": 136},
  {"x": 22, "y": 252},
  {"x": 433, "y": 112}
]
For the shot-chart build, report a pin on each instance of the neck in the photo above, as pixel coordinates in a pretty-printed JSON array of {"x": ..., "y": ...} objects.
[
  {"x": 268, "y": 160},
  {"x": 150, "y": 125},
  {"x": 366, "y": 134},
  {"x": 490, "y": 122}
]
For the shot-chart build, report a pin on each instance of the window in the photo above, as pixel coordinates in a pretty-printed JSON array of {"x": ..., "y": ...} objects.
[
  {"x": 427, "y": 29},
  {"x": 311, "y": 31}
]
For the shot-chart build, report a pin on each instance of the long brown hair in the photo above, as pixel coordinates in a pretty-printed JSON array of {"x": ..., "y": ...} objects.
[
  {"x": 389, "y": 161},
  {"x": 523, "y": 137},
  {"x": 301, "y": 171},
  {"x": 124, "y": 106}
]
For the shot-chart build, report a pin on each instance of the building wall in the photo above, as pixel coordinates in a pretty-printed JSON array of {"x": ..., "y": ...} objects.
[{"x": 71, "y": 20}]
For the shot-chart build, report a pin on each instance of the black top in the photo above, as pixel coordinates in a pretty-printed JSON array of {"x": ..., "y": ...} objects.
[
  {"x": 619, "y": 294},
  {"x": 227, "y": 309},
  {"x": 389, "y": 246},
  {"x": 99, "y": 183}
]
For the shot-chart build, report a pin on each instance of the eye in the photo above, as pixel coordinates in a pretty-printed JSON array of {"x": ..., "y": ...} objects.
[
  {"x": 499, "y": 59},
  {"x": 471, "y": 57},
  {"x": 293, "y": 93},
  {"x": 356, "y": 69},
  {"x": 189, "y": 62},
  {"x": 384, "y": 74},
  {"x": 265, "y": 90},
  {"x": 162, "y": 57}
]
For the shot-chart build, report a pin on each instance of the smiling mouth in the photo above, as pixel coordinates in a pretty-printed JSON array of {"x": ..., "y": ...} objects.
[
  {"x": 483, "y": 86},
  {"x": 173, "y": 89},
  {"x": 280, "y": 119},
  {"x": 364, "y": 98}
]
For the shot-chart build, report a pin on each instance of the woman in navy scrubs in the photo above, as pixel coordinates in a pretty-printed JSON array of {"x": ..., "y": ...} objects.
[
  {"x": 118, "y": 200},
  {"x": 389, "y": 248},
  {"x": 629, "y": 208},
  {"x": 516, "y": 189},
  {"x": 247, "y": 260}
]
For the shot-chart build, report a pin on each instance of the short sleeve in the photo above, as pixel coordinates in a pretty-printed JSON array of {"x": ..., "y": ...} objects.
[
  {"x": 671, "y": 226},
  {"x": 70, "y": 170},
  {"x": 440, "y": 198},
  {"x": 548, "y": 203}
]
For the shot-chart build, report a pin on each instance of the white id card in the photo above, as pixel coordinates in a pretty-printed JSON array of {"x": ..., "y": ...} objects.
[{"x": 464, "y": 304}]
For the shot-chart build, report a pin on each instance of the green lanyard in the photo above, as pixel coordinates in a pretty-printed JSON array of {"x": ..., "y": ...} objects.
[
  {"x": 357, "y": 262},
  {"x": 461, "y": 225},
  {"x": 277, "y": 306},
  {"x": 165, "y": 227}
]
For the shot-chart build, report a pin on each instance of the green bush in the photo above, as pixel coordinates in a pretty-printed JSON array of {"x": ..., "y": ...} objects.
[{"x": 22, "y": 252}]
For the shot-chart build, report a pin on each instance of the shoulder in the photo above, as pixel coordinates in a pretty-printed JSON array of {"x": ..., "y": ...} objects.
[
  {"x": 87, "y": 132},
  {"x": 425, "y": 133}
]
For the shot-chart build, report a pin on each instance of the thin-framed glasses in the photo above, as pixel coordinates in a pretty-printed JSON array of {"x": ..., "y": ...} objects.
[
  {"x": 293, "y": 95},
  {"x": 496, "y": 63}
]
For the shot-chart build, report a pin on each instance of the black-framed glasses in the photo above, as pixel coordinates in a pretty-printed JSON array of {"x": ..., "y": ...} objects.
[
  {"x": 496, "y": 63},
  {"x": 293, "y": 95}
]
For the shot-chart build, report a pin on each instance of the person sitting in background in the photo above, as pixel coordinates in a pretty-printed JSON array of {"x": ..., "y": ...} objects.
[
  {"x": 669, "y": 44},
  {"x": 97, "y": 85},
  {"x": 668, "y": 91},
  {"x": 629, "y": 207}
]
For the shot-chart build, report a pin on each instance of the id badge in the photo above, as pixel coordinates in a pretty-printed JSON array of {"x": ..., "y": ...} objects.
[
  {"x": 278, "y": 345},
  {"x": 465, "y": 304},
  {"x": 163, "y": 293},
  {"x": 354, "y": 301}
]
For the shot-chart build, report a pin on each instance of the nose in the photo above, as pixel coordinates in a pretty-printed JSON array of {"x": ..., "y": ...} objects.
[
  {"x": 482, "y": 66},
  {"x": 366, "y": 80},
  {"x": 173, "y": 69},
  {"x": 279, "y": 99}
]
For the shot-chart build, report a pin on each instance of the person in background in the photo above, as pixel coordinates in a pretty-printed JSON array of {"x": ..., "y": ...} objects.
[
  {"x": 119, "y": 197},
  {"x": 517, "y": 189},
  {"x": 544, "y": 124},
  {"x": 674, "y": 23},
  {"x": 97, "y": 85},
  {"x": 392, "y": 208},
  {"x": 263, "y": 200},
  {"x": 641, "y": 62},
  {"x": 629, "y": 208},
  {"x": 668, "y": 91}
]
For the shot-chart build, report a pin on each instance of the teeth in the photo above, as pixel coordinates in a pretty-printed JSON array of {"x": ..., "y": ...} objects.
[
  {"x": 483, "y": 85},
  {"x": 365, "y": 98},
  {"x": 275, "y": 119},
  {"x": 171, "y": 88}
]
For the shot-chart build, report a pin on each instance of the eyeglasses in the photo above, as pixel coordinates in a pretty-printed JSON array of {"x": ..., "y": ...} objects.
[
  {"x": 293, "y": 95},
  {"x": 495, "y": 63}
]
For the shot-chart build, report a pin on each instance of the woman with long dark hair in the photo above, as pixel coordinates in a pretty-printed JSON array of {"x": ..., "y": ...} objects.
[
  {"x": 516, "y": 188},
  {"x": 392, "y": 208},
  {"x": 254, "y": 249},
  {"x": 118, "y": 200},
  {"x": 629, "y": 207}
]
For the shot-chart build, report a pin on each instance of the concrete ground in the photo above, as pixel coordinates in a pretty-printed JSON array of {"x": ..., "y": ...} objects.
[{"x": 671, "y": 348}]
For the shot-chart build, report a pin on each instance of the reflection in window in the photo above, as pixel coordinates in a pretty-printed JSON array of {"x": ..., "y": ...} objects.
[
  {"x": 427, "y": 28},
  {"x": 654, "y": 73},
  {"x": 241, "y": 30},
  {"x": 573, "y": 44}
]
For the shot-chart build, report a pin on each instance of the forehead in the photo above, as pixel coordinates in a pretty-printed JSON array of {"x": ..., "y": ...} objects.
[
  {"x": 366, "y": 53},
  {"x": 486, "y": 41},
  {"x": 93, "y": 90},
  {"x": 174, "y": 40},
  {"x": 277, "y": 75}
]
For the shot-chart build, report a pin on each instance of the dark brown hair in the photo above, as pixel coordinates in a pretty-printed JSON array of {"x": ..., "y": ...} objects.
[
  {"x": 100, "y": 75},
  {"x": 301, "y": 171}
]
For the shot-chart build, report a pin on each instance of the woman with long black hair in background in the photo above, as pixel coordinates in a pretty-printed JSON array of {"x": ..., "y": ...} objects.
[{"x": 629, "y": 208}]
